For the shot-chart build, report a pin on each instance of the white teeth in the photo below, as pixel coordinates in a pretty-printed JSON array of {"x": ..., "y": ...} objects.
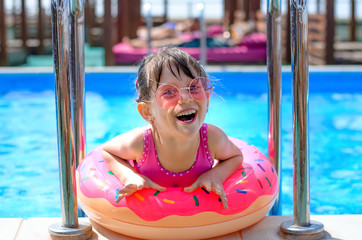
[{"x": 186, "y": 113}]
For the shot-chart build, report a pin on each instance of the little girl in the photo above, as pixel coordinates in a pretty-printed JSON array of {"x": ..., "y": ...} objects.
[{"x": 177, "y": 149}]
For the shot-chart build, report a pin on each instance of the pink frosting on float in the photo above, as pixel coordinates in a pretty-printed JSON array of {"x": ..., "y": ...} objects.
[{"x": 255, "y": 177}]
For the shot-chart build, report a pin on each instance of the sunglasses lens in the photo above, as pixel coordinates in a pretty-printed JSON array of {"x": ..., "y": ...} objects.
[
  {"x": 167, "y": 95},
  {"x": 200, "y": 89}
]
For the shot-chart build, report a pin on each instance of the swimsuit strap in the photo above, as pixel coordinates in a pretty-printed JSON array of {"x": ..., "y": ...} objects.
[
  {"x": 147, "y": 146},
  {"x": 204, "y": 144}
]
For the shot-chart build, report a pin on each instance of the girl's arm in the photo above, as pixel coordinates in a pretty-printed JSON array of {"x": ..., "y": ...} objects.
[
  {"x": 230, "y": 158},
  {"x": 116, "y": 152}
]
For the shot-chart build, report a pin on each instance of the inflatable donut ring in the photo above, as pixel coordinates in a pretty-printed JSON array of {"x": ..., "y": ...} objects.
[{"x": 175, "y": 214}]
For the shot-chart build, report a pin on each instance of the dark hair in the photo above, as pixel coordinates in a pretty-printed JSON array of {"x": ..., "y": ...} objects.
[{"x": 150, "y": 69}]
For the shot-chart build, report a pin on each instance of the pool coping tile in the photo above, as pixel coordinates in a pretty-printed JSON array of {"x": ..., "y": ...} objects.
[
  {"x": 336, "y": 227},
  {"x": 9, "y": 227}
]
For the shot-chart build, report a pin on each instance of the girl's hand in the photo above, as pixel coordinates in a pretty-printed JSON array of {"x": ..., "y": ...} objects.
[
  {"x": 212, "y": 182},
  {"x": 135, "y": 183}
]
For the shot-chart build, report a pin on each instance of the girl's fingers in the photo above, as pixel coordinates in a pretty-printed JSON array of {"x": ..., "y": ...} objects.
[
  {"x": 153, "y": 185},
  {"x": 126, "y": 191},
  {"x": 159, "y": 188},
  {"x": 207, "y": 186},
  {"x": 193, "y": 187},
  {"x": 219, "y": 190},
  {"x": 224, "y": 201},
  {"x": 120, "y": 197},
  {"x": 129, "y": 189}
]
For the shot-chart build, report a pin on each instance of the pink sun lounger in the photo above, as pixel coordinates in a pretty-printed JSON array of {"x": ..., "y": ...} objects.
[{"x": 251, "y": 50}]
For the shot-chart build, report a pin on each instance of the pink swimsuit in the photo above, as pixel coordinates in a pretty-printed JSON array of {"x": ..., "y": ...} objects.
[{"x": 151, "y": 167}]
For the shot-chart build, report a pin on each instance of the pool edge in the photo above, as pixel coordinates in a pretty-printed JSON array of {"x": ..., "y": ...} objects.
[{"x": 338, "y": 226}]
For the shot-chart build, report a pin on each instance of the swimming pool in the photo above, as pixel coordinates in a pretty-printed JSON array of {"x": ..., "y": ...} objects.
[{"x": 29, "y": 182}]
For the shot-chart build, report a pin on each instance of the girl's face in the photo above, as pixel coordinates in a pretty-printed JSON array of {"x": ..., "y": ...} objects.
[{"x": 175, "y": 111}]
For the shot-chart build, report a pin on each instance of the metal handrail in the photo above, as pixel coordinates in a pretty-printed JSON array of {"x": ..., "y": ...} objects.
[
  {"x": 301, "y": 224},
  {"x": 274, "y": 65},
  {"x": 68, "y": 54}
]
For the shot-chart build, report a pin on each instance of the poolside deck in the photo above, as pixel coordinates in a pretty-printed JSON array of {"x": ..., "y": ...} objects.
[{"x": 336, "y": 227}]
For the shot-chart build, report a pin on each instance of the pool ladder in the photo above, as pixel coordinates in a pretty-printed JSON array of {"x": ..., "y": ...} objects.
[
  {"x": 68, "y": 53},
  {"x": 301, "y": 225}
]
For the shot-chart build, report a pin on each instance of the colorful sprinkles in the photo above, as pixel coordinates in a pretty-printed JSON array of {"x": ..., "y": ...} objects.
[
  {"x": 196, "y": 200},
  {"x": 241, "y": 191},
  {"x": 117, "y": 194},
  {"x": 268, "y": 181},
  {"x": 242, "y": 181},
  {"x": 246, "y": 168},
  {"x": 261, "y": 185},
  {"x": 261, "y": 167},
  {"x": 156, "y": 193},
  {"x": 137, "y": 195},
  {"x": 205, "y": 190},
  {"x": 104, "y": 184},
  {"x": 85, "y": 178},
  {"x": 168, "y": 201}
]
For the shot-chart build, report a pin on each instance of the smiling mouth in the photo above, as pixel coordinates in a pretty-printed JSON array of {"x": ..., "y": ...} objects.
[{"x": 187, "y": 116}]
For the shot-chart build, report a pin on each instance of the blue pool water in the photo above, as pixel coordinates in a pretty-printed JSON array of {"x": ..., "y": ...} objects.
[{"x": 29, "y": 184}]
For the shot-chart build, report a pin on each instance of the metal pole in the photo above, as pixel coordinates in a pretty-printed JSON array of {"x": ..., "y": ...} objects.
[
  {"x": 68, "y": 54},
  {"x": 40, "y": 49},
  {"x": 203, "y": 46},
  {"x": 330, "y": 31},
  {"x": 318, "y": 6},
  {"x": 353, "y": 22},
  {"x": 3, "y": 37},
  {"x": 148, "y": 8},
  {"x": 165, "y": 10},
  {"x": 274, "y": 64},
  {"x": 301, "y": 225},
  {"x": 108, "y": 31},
  {"x": 299, "y": 29},
  {"x": 77, "y": 77},
  {"x": 24, "y": 25}
]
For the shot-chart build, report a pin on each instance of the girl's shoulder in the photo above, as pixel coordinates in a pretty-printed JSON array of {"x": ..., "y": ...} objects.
[
  {"x": 127, "y": 145},
  {"x": 135, "y": 138},
  {"x": 215, "y": 135},
  {"x": 213, "y": 130},
  {"x": 220, "y": 145}
]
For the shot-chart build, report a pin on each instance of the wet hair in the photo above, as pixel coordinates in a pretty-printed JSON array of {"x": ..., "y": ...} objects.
[{"x": 150, "y": 70}]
